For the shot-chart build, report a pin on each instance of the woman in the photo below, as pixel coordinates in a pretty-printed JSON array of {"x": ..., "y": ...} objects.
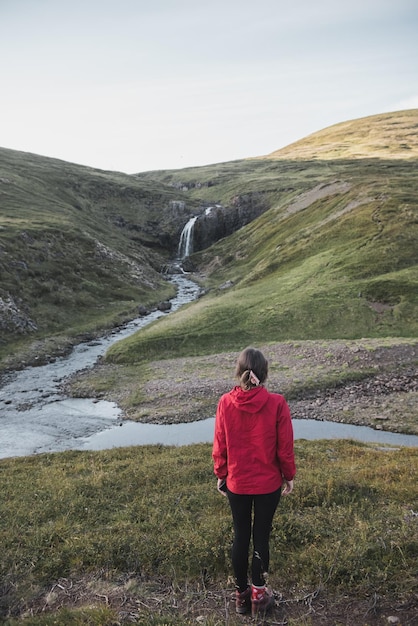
[{"x": 254, "y": 463}]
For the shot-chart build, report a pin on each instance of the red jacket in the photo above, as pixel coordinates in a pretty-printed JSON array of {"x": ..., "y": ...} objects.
[{"x": 253, "y": 443}]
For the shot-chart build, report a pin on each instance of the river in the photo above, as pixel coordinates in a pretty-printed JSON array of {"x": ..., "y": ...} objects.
[
  {"x": 36, "y": 417},
  {"x": 34, "y": 414}
]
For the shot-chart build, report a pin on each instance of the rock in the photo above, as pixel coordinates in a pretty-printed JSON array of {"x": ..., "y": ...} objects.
[
  {"x": 218, "y": 221},
  {"x": 142, "y": 310},
  {"x": 13, "y": 317},
  {"x": 188, "y": 266},
  {"x": 164, "y": 306}
]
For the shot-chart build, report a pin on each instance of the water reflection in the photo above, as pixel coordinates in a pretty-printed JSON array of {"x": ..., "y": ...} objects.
[{"x": 134, "y": 433}]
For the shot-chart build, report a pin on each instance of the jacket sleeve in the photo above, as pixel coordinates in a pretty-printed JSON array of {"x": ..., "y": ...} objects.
[
  {"x": 285, "y": 452},
  {"x": 219, "y": 451}
]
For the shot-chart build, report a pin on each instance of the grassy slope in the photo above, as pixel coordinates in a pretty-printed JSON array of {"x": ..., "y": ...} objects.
[
  {"x": 135, "y": 515},
  {"x": 385, "y": 136},
  {"x": 335, "y": 256},
  {"x": 78, "y": 246}
]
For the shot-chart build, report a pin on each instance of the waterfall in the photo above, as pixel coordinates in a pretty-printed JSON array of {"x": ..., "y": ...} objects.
[{"x": 186, "y": 239}]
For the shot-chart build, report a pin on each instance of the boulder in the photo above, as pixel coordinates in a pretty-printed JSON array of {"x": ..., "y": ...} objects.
[{"x": 164, "y": 306}]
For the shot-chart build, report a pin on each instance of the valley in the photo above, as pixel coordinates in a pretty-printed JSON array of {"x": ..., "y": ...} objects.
[
  {"x": 309, "y": 254},
  {"x": 316, "y": 241}
]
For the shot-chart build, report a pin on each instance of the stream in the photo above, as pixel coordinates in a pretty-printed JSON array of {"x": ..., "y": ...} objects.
[{"x": 36, "y": 417}]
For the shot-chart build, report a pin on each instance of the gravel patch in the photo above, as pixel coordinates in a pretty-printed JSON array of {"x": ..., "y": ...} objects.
[{"x": 370, "y": 382}]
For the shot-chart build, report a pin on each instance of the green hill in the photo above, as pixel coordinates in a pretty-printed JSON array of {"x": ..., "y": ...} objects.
[
  {"x": 334, "y": 257},
  {"x": 333, "y": 253},
  {"x": 79, "y": 248},
  {"x": 387, "y": 136}
]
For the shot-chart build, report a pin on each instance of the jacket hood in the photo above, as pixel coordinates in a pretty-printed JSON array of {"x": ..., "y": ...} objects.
[{"x": 251, "y": 401}]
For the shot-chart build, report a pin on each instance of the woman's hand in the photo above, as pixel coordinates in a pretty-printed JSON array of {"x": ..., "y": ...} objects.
[
  {"x": 287, "y": 487},
  {"x": 221, "y": 486}
]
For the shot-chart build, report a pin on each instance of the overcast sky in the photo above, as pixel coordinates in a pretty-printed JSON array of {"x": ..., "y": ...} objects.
[{"x": 136, "y": 85}]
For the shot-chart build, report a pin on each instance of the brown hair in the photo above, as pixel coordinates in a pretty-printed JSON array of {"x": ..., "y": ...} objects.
[{"x": 251, "y": 360}]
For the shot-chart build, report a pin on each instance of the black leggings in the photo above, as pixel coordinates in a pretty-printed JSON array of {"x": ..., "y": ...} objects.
[{"x": 265, "y": 506}]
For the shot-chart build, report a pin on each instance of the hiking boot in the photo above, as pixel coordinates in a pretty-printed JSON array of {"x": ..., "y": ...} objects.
[
  {"x": 261, "y": 600},
  {"x": 243, "y": 601}
]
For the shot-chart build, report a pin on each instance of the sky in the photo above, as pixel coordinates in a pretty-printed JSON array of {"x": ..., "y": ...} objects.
[{"x": 139, "y": 85}]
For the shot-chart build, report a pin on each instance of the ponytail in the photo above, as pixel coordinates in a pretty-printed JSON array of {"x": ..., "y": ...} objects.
[{"x": 252, "y": 368}]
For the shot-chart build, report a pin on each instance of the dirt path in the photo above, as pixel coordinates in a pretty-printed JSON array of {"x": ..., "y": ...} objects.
[{"x": 130, "y": 598}]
